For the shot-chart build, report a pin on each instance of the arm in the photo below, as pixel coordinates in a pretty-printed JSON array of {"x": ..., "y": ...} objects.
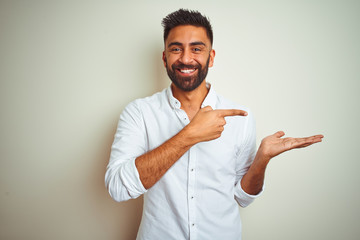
[
  {"x": 270, "y": 147},
  {"x": 121, "y": 177},
  {"x": 152, "y": 165},
  {"x": 132, "y": 170}
]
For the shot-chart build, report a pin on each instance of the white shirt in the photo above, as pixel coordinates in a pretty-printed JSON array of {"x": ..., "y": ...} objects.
[{"x": 197, "y": 197}]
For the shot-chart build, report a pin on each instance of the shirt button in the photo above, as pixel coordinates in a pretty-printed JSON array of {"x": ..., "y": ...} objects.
[
  {"x": 192, "y": 170},
  {"x": 193, "y": 225},
  {"x": 192, "y": 197}
]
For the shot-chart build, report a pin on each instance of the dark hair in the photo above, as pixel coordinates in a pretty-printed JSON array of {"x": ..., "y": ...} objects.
[{"x": 186, "y": 17}]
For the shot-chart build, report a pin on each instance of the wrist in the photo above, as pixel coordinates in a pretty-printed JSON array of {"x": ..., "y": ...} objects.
[
  {"x": 187, "y": 136},
  {"x": 262, "y": 156}
]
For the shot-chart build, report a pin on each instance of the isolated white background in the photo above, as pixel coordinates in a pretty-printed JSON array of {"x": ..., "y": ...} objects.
[{"x": 68, "y": 68}]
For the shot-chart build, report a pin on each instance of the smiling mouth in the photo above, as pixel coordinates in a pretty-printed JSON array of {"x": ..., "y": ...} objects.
[{"x": 187, "y": 71}]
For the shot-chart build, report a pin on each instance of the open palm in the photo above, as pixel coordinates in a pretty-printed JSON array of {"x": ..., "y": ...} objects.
[{"x": 274, "y": 145}]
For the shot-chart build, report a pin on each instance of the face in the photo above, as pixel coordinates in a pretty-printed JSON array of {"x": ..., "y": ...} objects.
[{"x": 187, "y": 56}]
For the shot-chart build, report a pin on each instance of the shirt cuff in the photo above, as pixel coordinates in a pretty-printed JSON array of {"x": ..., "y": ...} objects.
[
  {"x": 243, "y": 198},
  {"x": 131, "y": 179}
]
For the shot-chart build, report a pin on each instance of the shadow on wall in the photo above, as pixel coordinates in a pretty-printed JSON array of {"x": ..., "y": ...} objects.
[
  {"x": 129, "y": 213},
  {"x": 126, "y": 216}
]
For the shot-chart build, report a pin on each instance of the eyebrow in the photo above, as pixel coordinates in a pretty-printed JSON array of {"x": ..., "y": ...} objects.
[
  {"x": 197, "y": 43},
  {"x": 191, "y": 44}
]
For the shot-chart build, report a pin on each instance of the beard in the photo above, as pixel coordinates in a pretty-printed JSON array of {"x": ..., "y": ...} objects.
[{"x": 190, "y": 83}]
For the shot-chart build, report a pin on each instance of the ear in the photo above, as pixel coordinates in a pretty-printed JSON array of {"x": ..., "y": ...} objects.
[
  {"x": 212, "y": 56},
  {"x": 164, "y": 58}
]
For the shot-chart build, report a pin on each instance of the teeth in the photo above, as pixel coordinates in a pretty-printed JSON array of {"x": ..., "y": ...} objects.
[{"x": 187, "y": 70}]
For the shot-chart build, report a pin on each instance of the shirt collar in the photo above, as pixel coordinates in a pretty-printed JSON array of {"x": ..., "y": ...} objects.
[
  {"x": 174, "y": 103},
  {"x": 210, "y": 99}
]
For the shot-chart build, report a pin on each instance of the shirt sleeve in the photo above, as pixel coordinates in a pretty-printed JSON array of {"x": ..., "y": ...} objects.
[
  {"x": 122, "y": 178},
  {"x": 245, "y": 157}
]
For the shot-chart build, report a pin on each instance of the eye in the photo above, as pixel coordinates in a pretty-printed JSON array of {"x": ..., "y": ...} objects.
[
  {"x": 175, "y": 50},
  {"x": 196, "y": 50}
]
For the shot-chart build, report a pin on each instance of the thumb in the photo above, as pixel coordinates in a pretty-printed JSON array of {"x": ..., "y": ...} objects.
[
  {"x": 206, "y": 109},
  {"x": 279, "y": 134}
]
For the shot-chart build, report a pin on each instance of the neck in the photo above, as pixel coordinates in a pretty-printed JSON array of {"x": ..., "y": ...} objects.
[{"x": 191, "y": 101}]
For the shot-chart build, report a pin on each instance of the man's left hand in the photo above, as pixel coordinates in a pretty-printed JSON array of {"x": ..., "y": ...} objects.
[{"x": 274, "y": 145}]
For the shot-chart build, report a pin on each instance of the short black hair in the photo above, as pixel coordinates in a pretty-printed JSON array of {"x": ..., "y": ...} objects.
[{"x": 183, "y": 17}]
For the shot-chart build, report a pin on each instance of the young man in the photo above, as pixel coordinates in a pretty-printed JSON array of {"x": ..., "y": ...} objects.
[{"x": 190, "y": 151}]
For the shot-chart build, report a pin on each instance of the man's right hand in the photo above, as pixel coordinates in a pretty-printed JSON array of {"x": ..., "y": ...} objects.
[{"x": 208, "y": 124}]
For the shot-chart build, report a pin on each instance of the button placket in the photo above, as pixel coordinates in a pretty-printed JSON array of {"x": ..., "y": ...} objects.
[
  {"x": 191, "y": 192},
  {"x": 182, "y": 116}
]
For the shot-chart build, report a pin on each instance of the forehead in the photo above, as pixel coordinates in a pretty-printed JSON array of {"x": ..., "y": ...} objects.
[{"x": 187, "y": 34}]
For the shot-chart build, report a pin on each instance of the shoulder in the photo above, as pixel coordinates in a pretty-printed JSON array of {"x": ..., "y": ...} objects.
[
  {"x": 153, "y": 101},
  {"x": 137, "y": 111}
]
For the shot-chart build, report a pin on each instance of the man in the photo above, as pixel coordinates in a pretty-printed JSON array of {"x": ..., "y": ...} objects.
[{"x": 190, "y": 151}]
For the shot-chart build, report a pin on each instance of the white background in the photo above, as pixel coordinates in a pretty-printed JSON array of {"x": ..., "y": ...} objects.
[{"x": 68, "y": 68}]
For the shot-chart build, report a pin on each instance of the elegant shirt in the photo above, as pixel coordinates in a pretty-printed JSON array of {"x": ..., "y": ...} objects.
[{"x": 198, "y": 196}]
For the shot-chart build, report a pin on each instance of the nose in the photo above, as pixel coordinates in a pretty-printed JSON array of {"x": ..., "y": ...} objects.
[{"x": 186, "y": 57}]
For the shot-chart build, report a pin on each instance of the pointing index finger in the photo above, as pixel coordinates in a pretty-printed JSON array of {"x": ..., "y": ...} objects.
[{"x": 231, "y": 112}]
